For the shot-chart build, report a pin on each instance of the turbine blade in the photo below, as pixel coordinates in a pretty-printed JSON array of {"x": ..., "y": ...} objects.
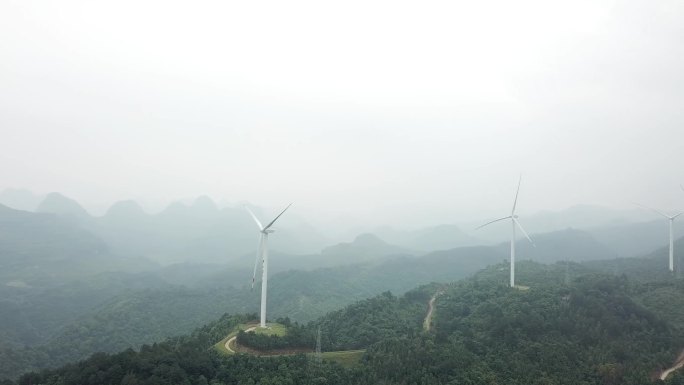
[
  {"x": 652, "y": 209},
  {"x": 489, "y": 223},
  {"x": 258, "y": 254},
  {"x": 261, "y": 227},
  {"x": 515, "y": 202},
  {"x": 524, "y": 232},
  {"x": 276, "y": 218},
  {"x": 677, "y": 215}
]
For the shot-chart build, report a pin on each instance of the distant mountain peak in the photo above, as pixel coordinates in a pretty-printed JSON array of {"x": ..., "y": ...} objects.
[
  {"x": 364, "y": 248},
  {"x": 202, "y": 207},
  {"x": 56, "y": 203},
  {"x": 125, "y": 208},
  {"x": 174, "y": 207}
]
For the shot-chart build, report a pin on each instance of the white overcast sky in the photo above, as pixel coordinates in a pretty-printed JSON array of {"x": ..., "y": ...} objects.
[{"x": 374, "y": 110}]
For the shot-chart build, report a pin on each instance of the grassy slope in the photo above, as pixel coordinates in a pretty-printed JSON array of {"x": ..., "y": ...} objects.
[
  {"x": 273, "y": 329},
  {"x": 221, "y": 345},
  {"x": 346, "y": 358}
]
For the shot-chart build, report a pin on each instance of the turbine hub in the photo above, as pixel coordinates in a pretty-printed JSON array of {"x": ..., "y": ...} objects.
[
  {"x": 269, "y": 231},
  {"x": 515, "y": 216}
]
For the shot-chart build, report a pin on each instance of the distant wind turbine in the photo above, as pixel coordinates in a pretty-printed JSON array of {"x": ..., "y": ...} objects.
[
  {"x": 262, "y": 251},
  {"x": 514, "y": 222},
  {"x": 671, "y": 221}
]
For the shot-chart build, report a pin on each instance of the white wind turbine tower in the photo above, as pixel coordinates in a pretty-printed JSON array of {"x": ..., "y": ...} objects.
[
  {"x": 670, "y": 219},
  {"x": 262, "y": 250},
  {"x": 514, "y": 222}
]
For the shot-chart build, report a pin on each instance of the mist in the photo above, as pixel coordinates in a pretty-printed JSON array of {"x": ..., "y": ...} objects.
[{"x": 426, "y": 117}]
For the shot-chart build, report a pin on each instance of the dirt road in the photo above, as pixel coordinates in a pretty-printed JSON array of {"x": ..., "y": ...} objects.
[
  {"x": 231, "y": 339},
  {"x": 431, "y": 308},
  {"x": 678, "y": 364}
]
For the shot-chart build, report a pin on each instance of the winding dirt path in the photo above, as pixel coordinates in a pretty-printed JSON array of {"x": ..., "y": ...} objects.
[
  {"x": 678, "y": 364},
  {"x": 231, "y": 339},
  {"x": 431, "y": 309}
]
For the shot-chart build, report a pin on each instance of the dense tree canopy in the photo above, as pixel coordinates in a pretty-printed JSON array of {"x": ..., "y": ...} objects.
[{"x": 590, "y": 329}]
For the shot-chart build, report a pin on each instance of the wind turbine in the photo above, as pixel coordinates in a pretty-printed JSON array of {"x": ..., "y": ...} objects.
[
  {"x": 671, "y": 220},
  {"x": 514, "y": 222},
  {"x": 262, "y": 250}
]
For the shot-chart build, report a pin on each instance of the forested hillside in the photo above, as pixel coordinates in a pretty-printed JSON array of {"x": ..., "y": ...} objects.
[
  {"x": 589, "y": 331},
  {"x": 570, "y": 327},
  {"x": 151, "y": 314}
]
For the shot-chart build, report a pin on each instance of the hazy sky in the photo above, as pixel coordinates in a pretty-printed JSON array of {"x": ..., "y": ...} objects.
[{"x": 377, "y": 110}]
